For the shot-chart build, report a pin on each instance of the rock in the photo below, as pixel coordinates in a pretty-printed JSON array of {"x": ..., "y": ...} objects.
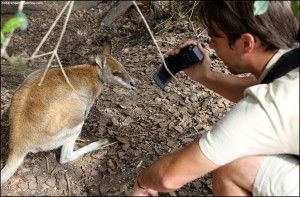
[
  {"x": 172, "y": 194},
  {"x": 124, "y": 140},
  {"x": 127, "y": 121},
  {"x": 111, "y": 164},
  {"x": 182, "y": 193},
  {"x": 196, "y": 184},
  {"x": 194, "y": 98},
  {"x": 179, "y": 129},
  {"x": 171, "y": 125},
  {"x": 123, "y": 188},
  {"x": 93, "y": 192},
  {"x": 51, "y": 182},
  {"x": 170, "y": 143},
  {"x": 115, "y": 121},
  {"x": 187, "y": 140},
  {"x": 103, "y": 189}
]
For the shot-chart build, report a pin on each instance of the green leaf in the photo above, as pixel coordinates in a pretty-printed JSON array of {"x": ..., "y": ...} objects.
[
  {"x": 2, "y": 38},
  {"x": 295, "y": 7},
  {"x": 24, "y": 24},
  {"x": 12, "y": 24},
  {"x": 18, "y": 21},
  {"x": 260, "y": 7}
]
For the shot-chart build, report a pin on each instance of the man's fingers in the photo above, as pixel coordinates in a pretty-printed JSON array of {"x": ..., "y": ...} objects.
[
  {"x": 178, "y": 48},
  {"x": 153, "y": 193},
  {"x": 203, "y": 50}
]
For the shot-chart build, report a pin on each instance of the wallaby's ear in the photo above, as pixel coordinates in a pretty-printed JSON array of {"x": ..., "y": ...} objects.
[
  {"x": 106, "y": 48},
  {"x": 98, "y": 61},
  {"x": 104, "y": 62}
]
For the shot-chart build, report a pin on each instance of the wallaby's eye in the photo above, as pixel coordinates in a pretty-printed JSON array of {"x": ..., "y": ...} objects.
[{"x": 116, "y": 73}]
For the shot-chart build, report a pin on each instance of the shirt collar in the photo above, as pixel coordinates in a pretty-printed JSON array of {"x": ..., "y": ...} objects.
[{"x": 272, "y": 62}]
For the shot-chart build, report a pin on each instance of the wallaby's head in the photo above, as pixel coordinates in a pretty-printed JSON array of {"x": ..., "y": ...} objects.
[{"x": 111, "y": 70}]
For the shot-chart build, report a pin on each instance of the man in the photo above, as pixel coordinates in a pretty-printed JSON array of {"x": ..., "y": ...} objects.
[{"x": 249, "y": 150}]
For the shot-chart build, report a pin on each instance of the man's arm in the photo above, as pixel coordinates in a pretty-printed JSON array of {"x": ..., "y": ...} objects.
[
  {"x": 228, "y": 86},
  {"x": 174, "y": 170}
]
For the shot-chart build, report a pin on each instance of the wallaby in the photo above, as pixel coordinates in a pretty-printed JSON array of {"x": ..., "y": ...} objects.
[{"x": 46, "y": 117}]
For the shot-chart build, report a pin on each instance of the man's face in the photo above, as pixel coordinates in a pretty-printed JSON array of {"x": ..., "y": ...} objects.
[{"x": 230, "y": 56}]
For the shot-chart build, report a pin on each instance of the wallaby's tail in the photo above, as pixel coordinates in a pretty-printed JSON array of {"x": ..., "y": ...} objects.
[{"x": 13, "y": 162}]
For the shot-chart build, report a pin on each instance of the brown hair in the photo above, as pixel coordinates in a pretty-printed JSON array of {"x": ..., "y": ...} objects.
[{"x": 276, "y": 28}]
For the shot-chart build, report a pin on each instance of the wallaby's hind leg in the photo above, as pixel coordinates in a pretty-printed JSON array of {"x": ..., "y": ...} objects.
[
  {"x": 67, "y": 151},
  {"x": 11, "y": 166}
]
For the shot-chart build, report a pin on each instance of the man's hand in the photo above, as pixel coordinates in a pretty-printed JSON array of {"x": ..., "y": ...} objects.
[
  {"x": 172, "y": 171},
  {"x": 229, "y": 86},
  {"x": 197, "y": 72},
  {"x": 138, "y": 190}
]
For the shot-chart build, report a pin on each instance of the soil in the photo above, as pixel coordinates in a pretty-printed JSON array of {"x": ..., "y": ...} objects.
[{"x": 144, "y": 124}]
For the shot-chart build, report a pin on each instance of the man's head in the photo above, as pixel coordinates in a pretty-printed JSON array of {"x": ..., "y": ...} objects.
[
  {"x": 233, "y": 23},
  {"x": 276, "y": 28}
]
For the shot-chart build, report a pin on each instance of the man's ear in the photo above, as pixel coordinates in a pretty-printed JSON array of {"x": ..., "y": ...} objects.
[{"x": 247, "y": 42}]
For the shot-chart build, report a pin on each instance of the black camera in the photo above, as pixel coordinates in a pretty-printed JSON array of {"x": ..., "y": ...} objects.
[{"x": 187, "y": 56}]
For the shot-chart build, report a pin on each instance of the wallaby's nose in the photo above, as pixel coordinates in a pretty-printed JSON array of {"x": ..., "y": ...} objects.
[{"x": 132, "y": 83}]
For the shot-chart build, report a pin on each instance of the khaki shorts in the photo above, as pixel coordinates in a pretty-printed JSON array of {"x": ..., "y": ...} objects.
[{"x": 278, "y": 176}]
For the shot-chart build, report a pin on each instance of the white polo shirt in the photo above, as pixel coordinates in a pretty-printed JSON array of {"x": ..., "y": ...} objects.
[{"x": 265, "y": 121}]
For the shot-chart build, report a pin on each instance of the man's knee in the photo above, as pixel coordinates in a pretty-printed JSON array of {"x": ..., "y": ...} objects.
[
  {"x": 222, "y": 177},
  {"x": 239, "y": 174}
]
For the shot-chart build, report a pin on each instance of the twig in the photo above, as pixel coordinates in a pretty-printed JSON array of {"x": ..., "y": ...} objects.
[
  {"x": 47, "y": 163},
  {"x": 52, "y": 172},
  {"x": 63, "y": 71},
  {"x": 195, "y": 4},
  {"x": 41, "y": 55},
  {"x": 139, "y": 164},
  {"x": 4, "y": 46},
  {"x": 200, "y": 34},
  {"x": 84, "y": 178},
  {"x": 165, "y": 41},
  {"x": 108, "y": 144},
  {"x": 193, "y": 134},
  {"x": 56, "y": 48},
  {"x": 130, "y": 136},
  {"x": 49, "y": 31},
  {"x": 68, "y": 184},
  {"x": 21, "y": 5},
  {"x": 160, "y": 24},
  {"x": 151, "y": 34}
]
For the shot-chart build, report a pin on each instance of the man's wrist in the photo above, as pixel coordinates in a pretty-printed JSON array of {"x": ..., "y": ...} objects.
[{"x": 203, "y": 78}]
